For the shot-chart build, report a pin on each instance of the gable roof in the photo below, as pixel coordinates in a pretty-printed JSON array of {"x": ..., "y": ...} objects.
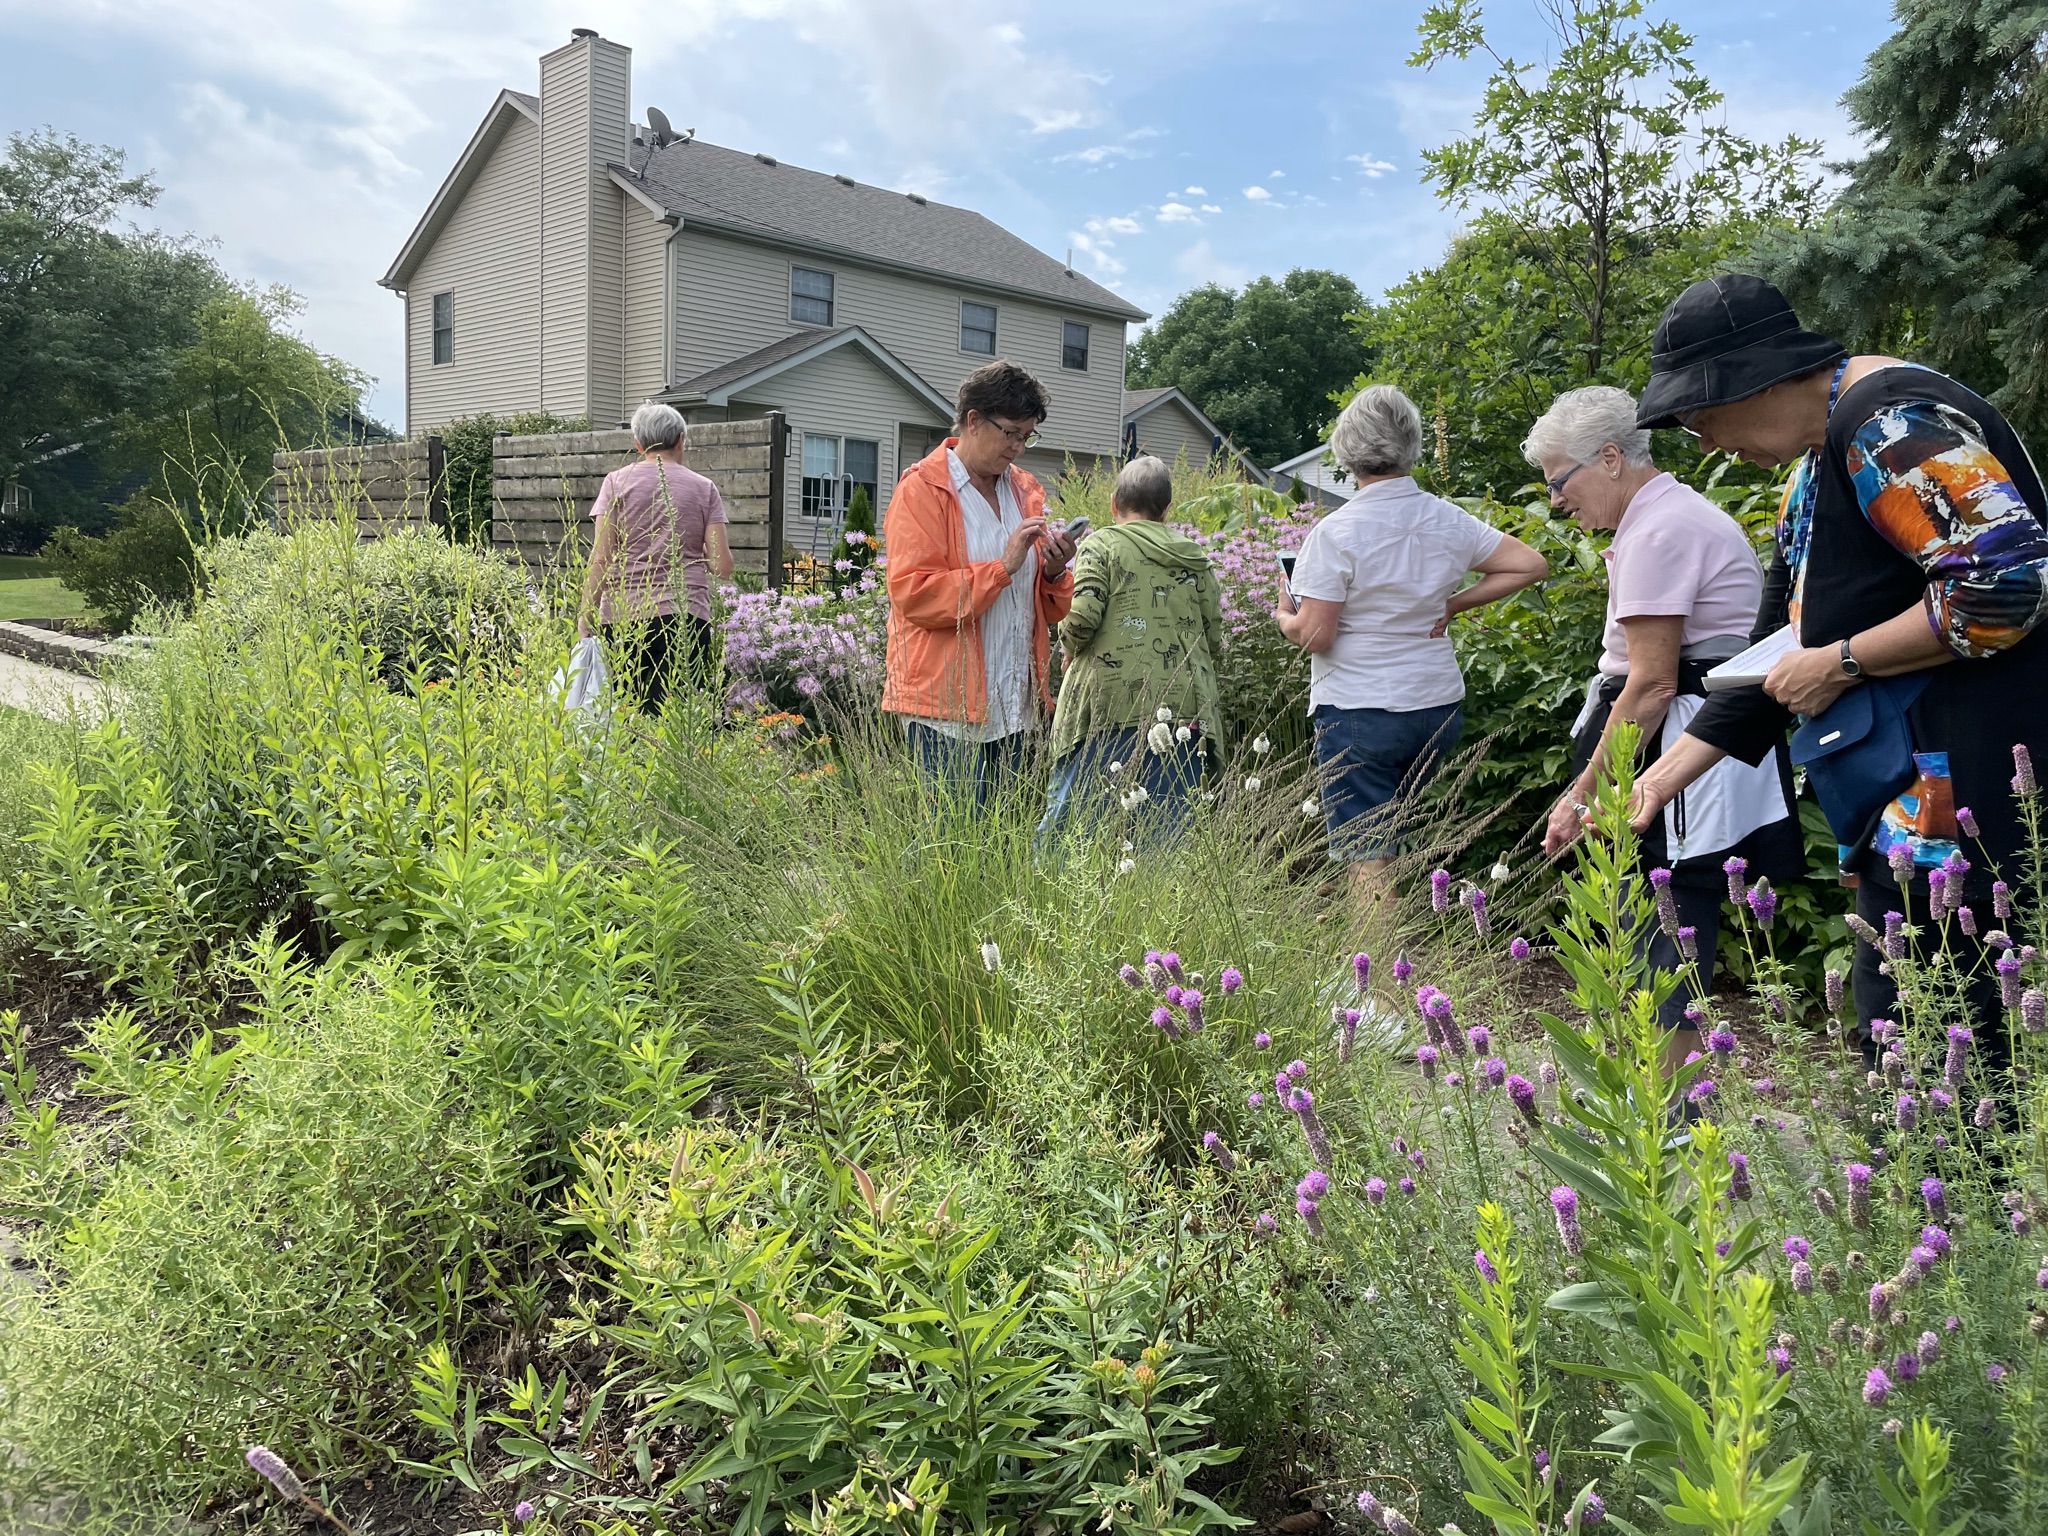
[
  {"x": 1142, "y": 402},
  {"x": 1295, "y": 465},
  {"x": 711, "y": 187},
  {"x": 718, "y": 386},
  {"x": 510, "y": 104}
]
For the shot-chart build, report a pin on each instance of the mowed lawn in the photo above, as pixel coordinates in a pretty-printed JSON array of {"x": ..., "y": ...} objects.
[{"x": 28, "y": 591}]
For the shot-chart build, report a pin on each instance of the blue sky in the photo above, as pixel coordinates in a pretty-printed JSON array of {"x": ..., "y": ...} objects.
[{"x": 1167, "y": 142}]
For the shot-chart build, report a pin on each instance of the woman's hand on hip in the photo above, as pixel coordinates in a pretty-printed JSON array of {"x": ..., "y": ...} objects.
[
  {"x": 1808, "y": 680},
  {"x": 1442, "y": 626}
]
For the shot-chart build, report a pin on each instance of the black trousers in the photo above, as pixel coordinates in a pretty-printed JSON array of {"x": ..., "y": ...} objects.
[
  {"x": 1697, "y": 894},
  {"x": 1877, "y": 995},
  {"x": 654, "y": 657}
]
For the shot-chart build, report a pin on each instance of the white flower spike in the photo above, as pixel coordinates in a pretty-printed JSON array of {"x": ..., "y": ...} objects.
[
  {"x": 1252, "y": 783},
  {"x": 1185, "y": 734},
  {"x": 1160, "y": 738},
  {"x": 1163, "y": 715},
  {"x": 1126, "y": 865},
  {"x": 991, "y": 956},
  {"x": 1311, "y": 808},
  {"x": 1262, "y": 744},
  {"x": 1501, "y": 871}
]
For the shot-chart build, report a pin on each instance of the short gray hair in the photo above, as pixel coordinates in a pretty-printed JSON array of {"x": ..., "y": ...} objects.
[
  {"x": 1581, "y": 422},
  {"x": 1144, "y": 486},
  {"x": 1378, "y": 433},
  {"x": 656, "y": 425}
]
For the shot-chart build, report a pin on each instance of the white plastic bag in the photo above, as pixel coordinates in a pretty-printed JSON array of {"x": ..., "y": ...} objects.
[{"x": 584, "y": 681}]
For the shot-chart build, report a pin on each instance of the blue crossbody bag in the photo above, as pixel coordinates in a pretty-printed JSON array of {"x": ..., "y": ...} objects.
[{"x": 1858, "y": 753}]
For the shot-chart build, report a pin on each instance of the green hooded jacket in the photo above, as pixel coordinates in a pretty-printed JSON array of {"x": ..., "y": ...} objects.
[{"x": 1146, "y": 629}]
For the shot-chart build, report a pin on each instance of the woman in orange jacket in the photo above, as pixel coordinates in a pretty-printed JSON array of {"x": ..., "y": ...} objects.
[{"x": 976, "y": 580}]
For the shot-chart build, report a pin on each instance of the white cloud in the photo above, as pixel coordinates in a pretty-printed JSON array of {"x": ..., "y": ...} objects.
[
  {"x": 1196, "y": 191},
  {"x": 1120, "y": 224},
  {"x": 1256, "y": 193},
  {"x": 1371, "y": 165},
  {"x": 1094, "y": 154},
  {"x": 1177, "y": 213},
  {"x": 1097, "y": 251},
  {"x": 1275, "y": 175},
  {"x": 1210, "y": 208},
  {"x": 1200, "y": 264}
]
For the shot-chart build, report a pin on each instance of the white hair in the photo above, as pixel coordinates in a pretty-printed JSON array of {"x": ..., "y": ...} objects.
[
  {"x": 1581, "y": 422},
  {"x": 1378, "y": 433},
  {"x": 1144, "y": 486},
  {"x": 656, "y": 425}
]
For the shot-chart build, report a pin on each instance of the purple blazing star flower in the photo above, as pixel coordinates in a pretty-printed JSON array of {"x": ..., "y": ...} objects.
[
  {"x": 523, "y": 1511},
  {"x": 1261, "y": 1040},
  {"x": 1255, "y": 1100},
  {"x": 1941, "y": 1098},
  {"x": 1905, "y": 1112},
  {"x": 1402, "y": 970},
  {"x": 1667, "y": 904},
  {"x": 1592, "y": 1512},
  {"x": 1738, "y": 1176},
  {"x": 1797, "y": 1247},
  {"x": 1162, "y": 1016},
  {"x": 2008, "y": 968},
  {"x": 2001, "y": 900},
  {"x": 1701, "y": 1091},
  {"x": 1173, "y": 996},
  {"x": 1781, "y": 1360},
  {"x": 1361, "y": 967},
  {"x": 1213, "y": 1143},
  {"x": 1831, "y": 990},
  {"x": 1923, "y": 1258},
  {"x": 1493, "y": 1072},
  {"x": 1688, "y": 942},
  {"x": 1191, "y": 1005},
  {"x": 1895, "y": 934},
  {"x": 1937, "y": 892},
  {"x": 1564, "y": 1202},
  {"x": 1522, "y": 1093},
  {"x": 1735, "y": 869},
  {"x": 1439, "y": 890},
  {"x": 1518, "y": 949},
  {"x": 1425, "y": 1056},
  {"x": 1958, "y": 1048},
  {"x": 1987, "y": 1114},
  {"x": 1967, "y": 820},
  {"x": 1546, "y": 1072},
  {"x": 1764, "y": 1087},
  {"x": 1876, "y": 1387},
  {"x": 1406, "y": 1186},
  {"x": 1314, "y": 1184},
  {"x": 1303, "y": 1103},
  {"x": 1763, "y": 903},
  {"x": 1347, "y": 1032},
  {"x": 1479, "y": 1037},
  {"x": 1305, "y": 1208},
  {"x": 1485, "y": 1267},
  {"x": 1967, "y": 921},
  {"x": 1454, "y": 1079},
  {"x": 2033, "y": 1011},
  {"x": 1375, "y": 1190},
  {"x": 1858, "y": 1176},
  {"x": 1905, "y": 1366},
  {"x": 2023, "y": 783},
  {"x": 1266, "y": 1223},
  {"x": 1171, "y": 961},
  {"x": 1994, "y": 1372},
  {"x": 1901, "y": 861},
  {"x": 1130, "y": 977},
  {"x": 1297, "y": 1069},
  {"x": 1721, "y": 1041},
  {"x": 1936, "y": 1196},
  {"x": 1231, "y": 979}
]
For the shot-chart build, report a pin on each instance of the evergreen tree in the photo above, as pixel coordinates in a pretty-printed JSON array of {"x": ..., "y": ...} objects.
[{"x": 1938, "y": 247}]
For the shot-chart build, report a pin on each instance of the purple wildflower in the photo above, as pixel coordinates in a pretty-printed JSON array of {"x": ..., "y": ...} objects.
[
  {"x": 1454, "y": 1079},
  {"x": 1130, "y": 976},
  {"x": 1546, "y": 1072},
  {"x": 1967, "y": 921},
  {"x": 1797, "y": 1247},
  {"x": 2001, "y": 900},
  {"x": 1155, "y": 971},
  {"x": 2033, "y": 1011},
  {"x": 1305, "y": 1208},
  {"x": 1994, "y": 1372},
  {"x": 1738, "y": 1176},
  {"x": 1361, "y": 967},
  {"x": 1831, "y": 990},
  {"x": 2008, "y": 967},
  {"x": 1191, "y": 1005},
  {"x": 1407, "y": 1185},
  {"x": 1314, "y": 1184},
  {"x": 1667, "y": 904},
  {"x": 1522, "y": 1093},
  {"x": 1923, "y": 1258},
  {"x": 1905, "y": 1112},
  {"x": 1485, "y": 1267},
  {"x": 1347, "y": 1032},
  {"x": 2023, "y": 783},
  {"x": 1721, "y": 1041},
  {"x": 1895, "y": 933},
  {"x": 1735, "y": 869},
  {"x": 1701, "y": 1091},
  {"x": 1967, "y": 820},
  {"x": 271, "y": 1465},
  {"x": 1213, "y": 1143},
  {"x": 1802, "y": 1277},
  {"x": 1863, "y": 930},
  {"x": 1937, "y": 892},
  {"x": 1261, "y": 1040},
  {"x": 1479, "y": 1036},
  {"x": 1171, "y": 961},
  {"x": 1858, "y": 1175},
  {"x": 1375, "y": 1190},
  {"x": 1781, "y": 1359},
  {"x": 523, "y": 1511},
  {"x": 1303, "y": 1103},
  {"x": 1265, "y": 1222},
  {"x": 1518, "y": 949},
  {"x": 1592, "y": 1512},
  {"x": 1369, "y": 1507},
  {"x": 1936, "y": 1196},
  {"x": 1564, "y": 1201},
  {"x": 1880, "y": 1301},
  {"x": 1688, "y": 942},
  {"x": 1425, "y": 1056},
  {"x": 1763, "y": 903},
  {"x": 1163, "y": 1017},
  {"x": 1905, "y": 1365},
  {"x": 1231, "y": 979},
  {"x": 1958, "y": 1047},
  {"x": 1255, "y": 1100},
  {"x": 1403, "y": 969},
  {"x": 1439, "y": 890},
  {"x": 1901, "y": 861},
  {"x": 1297, "y": 1069},
  {"x": 1493, "y": 1072},
  {"x": 1172, "y": 995},
  {"x": 1764, "y": 1087}
]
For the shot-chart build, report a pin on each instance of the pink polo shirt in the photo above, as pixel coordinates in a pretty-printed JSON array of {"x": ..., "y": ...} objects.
[
  {"x": 662, "y": 565},
  {"x": 1677, "y": 555}
]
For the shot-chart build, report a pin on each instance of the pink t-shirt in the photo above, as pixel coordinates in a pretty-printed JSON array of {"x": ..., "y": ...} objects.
[
  {"x": 657, "y": 543},
  {"x": 1677, "y": 555}
]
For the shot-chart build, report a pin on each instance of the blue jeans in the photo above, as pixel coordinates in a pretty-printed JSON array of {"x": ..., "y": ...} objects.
[
  {"x": 969, "y": 773},
  {"x": 1083, "y": 794},
  {"x": 1369, "y": 760}
]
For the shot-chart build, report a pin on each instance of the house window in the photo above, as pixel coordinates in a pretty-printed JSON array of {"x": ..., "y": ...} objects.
[
  {"x": 810, "y": 296},
  {"x": 978, "y": 329},
  {"x": 1074, "y": 347},
  {"x": 833, "y": 466},
  {"x": 444, "y": 328}
]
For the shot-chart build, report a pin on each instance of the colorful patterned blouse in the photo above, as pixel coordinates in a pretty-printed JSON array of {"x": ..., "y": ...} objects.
[{"x": 1928, "y": 483}]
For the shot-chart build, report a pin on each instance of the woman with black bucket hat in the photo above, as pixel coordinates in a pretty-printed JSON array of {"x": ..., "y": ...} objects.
[{"x": 1912, "y": 568}]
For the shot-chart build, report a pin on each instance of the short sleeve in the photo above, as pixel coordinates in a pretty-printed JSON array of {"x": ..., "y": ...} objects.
[
  {"x": 606, "y": 495},
  {"x": 714, "y": 504},
  {"x": 1481, "y": 539},
  {"x": 1322, "y": 572}
]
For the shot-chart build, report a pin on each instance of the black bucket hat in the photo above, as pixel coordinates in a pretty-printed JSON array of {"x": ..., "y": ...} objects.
[{"x": 1723, "y": 339}]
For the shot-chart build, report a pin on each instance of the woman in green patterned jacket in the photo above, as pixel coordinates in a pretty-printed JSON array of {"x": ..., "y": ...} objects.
[{"x": 1142, "y": 641}]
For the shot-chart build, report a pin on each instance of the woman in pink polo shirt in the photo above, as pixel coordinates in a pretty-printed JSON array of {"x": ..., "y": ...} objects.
[{"x": 1683, "y": 588}]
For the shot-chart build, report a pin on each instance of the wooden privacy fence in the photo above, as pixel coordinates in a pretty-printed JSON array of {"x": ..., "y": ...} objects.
[
  {"x": 543, "y": 488},
  {"x": 380, "y": 485}
]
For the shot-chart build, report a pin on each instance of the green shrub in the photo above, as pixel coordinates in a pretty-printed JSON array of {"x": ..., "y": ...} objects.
[
  {"x": 468, "y": 480},
  {"x": 146, "y": 561}
]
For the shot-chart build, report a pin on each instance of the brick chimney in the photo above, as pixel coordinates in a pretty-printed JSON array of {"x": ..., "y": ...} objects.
[{"x": 585, "y": 123}]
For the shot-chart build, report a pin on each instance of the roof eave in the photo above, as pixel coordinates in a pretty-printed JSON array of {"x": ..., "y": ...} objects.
[
  {"x": 457, "y": 182},
  {"x": 852, "y": 335},
  {"x": 1119, "y": 309}
]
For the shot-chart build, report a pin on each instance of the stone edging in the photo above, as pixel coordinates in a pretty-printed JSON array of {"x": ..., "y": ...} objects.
[{"x": 73, "y": 653}]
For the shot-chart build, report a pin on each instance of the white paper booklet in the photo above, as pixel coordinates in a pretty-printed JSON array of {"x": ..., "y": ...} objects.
[{"x": 1749, "y": 668}]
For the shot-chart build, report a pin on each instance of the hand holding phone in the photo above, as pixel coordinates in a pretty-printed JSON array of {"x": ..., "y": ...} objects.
[{"x": 1076, "y": 526}]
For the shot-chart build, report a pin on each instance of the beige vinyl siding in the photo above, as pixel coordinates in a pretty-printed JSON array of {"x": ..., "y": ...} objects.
[
  {"x": 1169, "y": 431},
  {"x": 733, "y": 296},
  {"x": 845, "y": 393},
  {"x": 583, "y": 124},
  {"x": 611, "y": 87},
  {"x": 646, "y": 256},
  {"x": 487, "y": 256}
]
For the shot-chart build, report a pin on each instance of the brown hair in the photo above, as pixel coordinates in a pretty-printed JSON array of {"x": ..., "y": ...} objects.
[{"x": 1003, "y": 389}]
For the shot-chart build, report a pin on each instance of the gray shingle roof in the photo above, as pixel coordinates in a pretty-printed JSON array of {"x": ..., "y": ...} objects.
[{"x": 710, "y": 185}]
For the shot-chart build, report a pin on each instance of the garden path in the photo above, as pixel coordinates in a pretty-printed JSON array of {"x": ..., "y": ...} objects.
[{"x": 49, "y": 692}]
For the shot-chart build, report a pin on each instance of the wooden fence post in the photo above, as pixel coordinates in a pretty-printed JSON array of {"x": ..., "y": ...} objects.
[{"x": 778, "y": 485}]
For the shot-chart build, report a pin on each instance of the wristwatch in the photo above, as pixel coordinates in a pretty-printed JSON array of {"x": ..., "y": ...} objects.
[{"x": 1851, "y": 667}]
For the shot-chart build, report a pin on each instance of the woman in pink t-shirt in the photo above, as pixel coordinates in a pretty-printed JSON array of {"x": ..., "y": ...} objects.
[
  {"x": 660, "y": 534},
  {"x": 1683, "y": 588}
]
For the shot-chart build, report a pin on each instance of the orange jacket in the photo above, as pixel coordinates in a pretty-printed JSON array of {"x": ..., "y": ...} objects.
[{"x": 936, "y": 598}]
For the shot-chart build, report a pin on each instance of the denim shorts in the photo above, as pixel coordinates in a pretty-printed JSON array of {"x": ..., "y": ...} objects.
[{"x": 1370, "y": 760}]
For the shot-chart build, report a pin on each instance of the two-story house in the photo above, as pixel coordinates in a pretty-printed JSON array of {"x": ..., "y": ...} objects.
[{"x": 578, "y": 264}]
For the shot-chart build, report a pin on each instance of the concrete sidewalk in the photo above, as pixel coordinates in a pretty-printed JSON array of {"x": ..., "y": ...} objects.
[{"x": 53, "y": 694}]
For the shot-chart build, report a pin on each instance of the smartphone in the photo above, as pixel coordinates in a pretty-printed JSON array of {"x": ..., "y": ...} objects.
[
  {"x": 1076, "y": 526},
  {"x": 1287, "y": 559}
]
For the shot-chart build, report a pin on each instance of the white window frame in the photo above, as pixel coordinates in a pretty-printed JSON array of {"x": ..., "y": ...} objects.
[
  {"x": 830, "y": 299},
  {"x": 435, "y": 330},
  {"x": 991, "y": 329}
]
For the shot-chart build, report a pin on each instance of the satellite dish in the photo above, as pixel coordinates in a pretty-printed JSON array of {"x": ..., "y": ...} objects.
[{"x": 658, "y": 125}]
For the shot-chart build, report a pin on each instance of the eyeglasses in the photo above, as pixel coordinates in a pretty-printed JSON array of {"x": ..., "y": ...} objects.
[
  {"x": 1556, "y": 486},
  {"x": 1689, "y": 421},
  {"x": 1023, "y": 437}
]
